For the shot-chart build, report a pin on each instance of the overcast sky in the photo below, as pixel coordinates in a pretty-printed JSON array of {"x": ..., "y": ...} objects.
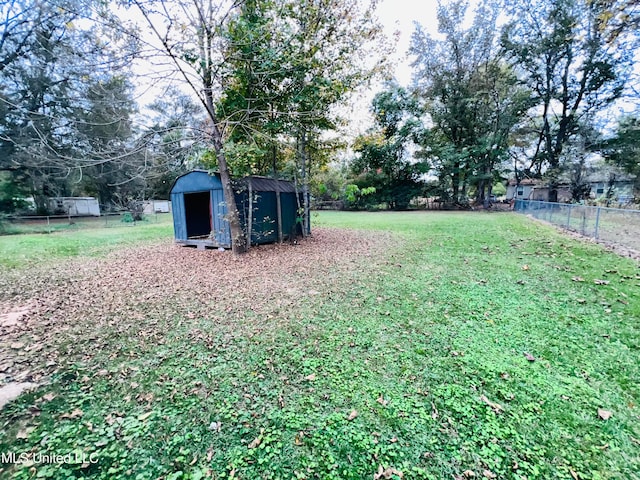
[{"x": 399, "y": 16}]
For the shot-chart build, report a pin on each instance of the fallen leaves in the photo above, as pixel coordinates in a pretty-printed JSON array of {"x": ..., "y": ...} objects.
[
  {"x": 471, "y": 474},
  {"x": 497, "y": 408},
  {"x": 604, "y": 414},
  {"x": 166, "y": 284},
  {"x": 255, "y": 443},
  {"x": 4, "y": 367},
  {"x": 76, "y": 413},
  {"x": 434, "y": 411},
  {"x": 23, "y": 434},
  {"x": 352, "y": 415},
  {"x": 310, "y": 378},
  {"x": 144, "y": 416},
  {"x": 387, "y": 473},
  {"x": 48, "y": 397},
  {"x": 597, "y": 281},
  {"x": 529, "y": 357}
]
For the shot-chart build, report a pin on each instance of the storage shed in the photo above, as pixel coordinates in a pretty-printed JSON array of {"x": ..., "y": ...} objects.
[{"x": 199, "y": 209}]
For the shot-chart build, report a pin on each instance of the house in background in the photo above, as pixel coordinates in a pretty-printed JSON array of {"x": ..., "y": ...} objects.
[
  {"x": 74, "y": 206},
  {"x": 535, "y": 189},
  {"x": 621, "y": 185},
  {"x": 622, "y": 188},
  {"x": 268, "y": 209}
]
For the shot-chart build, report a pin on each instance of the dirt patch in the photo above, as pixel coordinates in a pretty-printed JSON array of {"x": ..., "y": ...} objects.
[
  {"x": 11, "y": 391},
  {"x": 611, "y": 246},
  {"x": 69, "y": 311},
  {"x": 10, "y": 316}
]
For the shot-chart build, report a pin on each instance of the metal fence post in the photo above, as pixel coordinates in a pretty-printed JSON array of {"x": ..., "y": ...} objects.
[
  {"x": 569, "y": 218},
  {"x": 596, "y": 233}
]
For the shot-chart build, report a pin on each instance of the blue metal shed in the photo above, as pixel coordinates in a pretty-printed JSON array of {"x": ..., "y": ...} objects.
[{"x": 199, "y": 209}]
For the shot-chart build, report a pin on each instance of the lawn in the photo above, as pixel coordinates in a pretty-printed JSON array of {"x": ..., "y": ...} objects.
[
  {"x": 418, "y": 345},
  {"x": 85, "y": 237}
]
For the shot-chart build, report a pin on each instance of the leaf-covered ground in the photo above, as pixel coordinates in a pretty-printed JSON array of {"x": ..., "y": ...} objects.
[
  {"x": 458, "y": 346},
  {"x": 76, "y": 310}
]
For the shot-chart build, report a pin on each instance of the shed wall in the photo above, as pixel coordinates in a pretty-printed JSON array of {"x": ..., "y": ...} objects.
[
  {"x": 221, "y": 229},
  {"x": 179, "y": 218}
]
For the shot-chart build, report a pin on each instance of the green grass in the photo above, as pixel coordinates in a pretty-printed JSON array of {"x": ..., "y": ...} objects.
[
  {"x": 428, "y": 347},
  {"x": 84, "y": 238}
]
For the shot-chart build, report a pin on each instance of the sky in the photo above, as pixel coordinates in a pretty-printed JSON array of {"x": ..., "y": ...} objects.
[{"x": 399, "y": 16}]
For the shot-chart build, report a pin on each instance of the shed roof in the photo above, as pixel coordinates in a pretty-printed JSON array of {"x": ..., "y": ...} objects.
[
  {"x": 265, "y": 184},
  {"x": 194, "y": 181},
  {"x": 258, "y": 183}
]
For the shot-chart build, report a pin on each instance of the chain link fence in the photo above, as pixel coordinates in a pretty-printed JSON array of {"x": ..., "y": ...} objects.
[
  {"x": 613, "y": 225},
  {"x": 11, "y": 225}
]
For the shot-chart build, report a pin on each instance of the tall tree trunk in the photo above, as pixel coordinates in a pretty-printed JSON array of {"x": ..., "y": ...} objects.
[
  {"x": 238, "y": 239},
  {"x": 455, "y": 182},
  {"x": 302, "y": 156},
  {"x": 553, "y": 186}
]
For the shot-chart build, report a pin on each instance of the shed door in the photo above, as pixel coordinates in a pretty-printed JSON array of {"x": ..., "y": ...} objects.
[
  {"x": 221, "y": 227},
  {"x": 197, "y": 212}
]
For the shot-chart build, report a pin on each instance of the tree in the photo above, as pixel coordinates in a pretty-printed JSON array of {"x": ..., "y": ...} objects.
[
  {"x": 34, "y": 92},
  {"x": 471, "y": 97},
  {"x": 289, "y": 63},
  {"x": 255, "y": 73},
  {"x": 623, "y": 149},
  {"x": 188, "y": 37},
  {"x": 566, "y": 52},
  {"x": 620, "y": 16},
  {"x": 174, "y": 143},
  {"x": 104, "y": 133},
  {"x": 576, "y": 162},
  {"x": 48, "y": 51},
  {"x": 384, "y": 162},
  {"x": 21, "y": 20}
]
